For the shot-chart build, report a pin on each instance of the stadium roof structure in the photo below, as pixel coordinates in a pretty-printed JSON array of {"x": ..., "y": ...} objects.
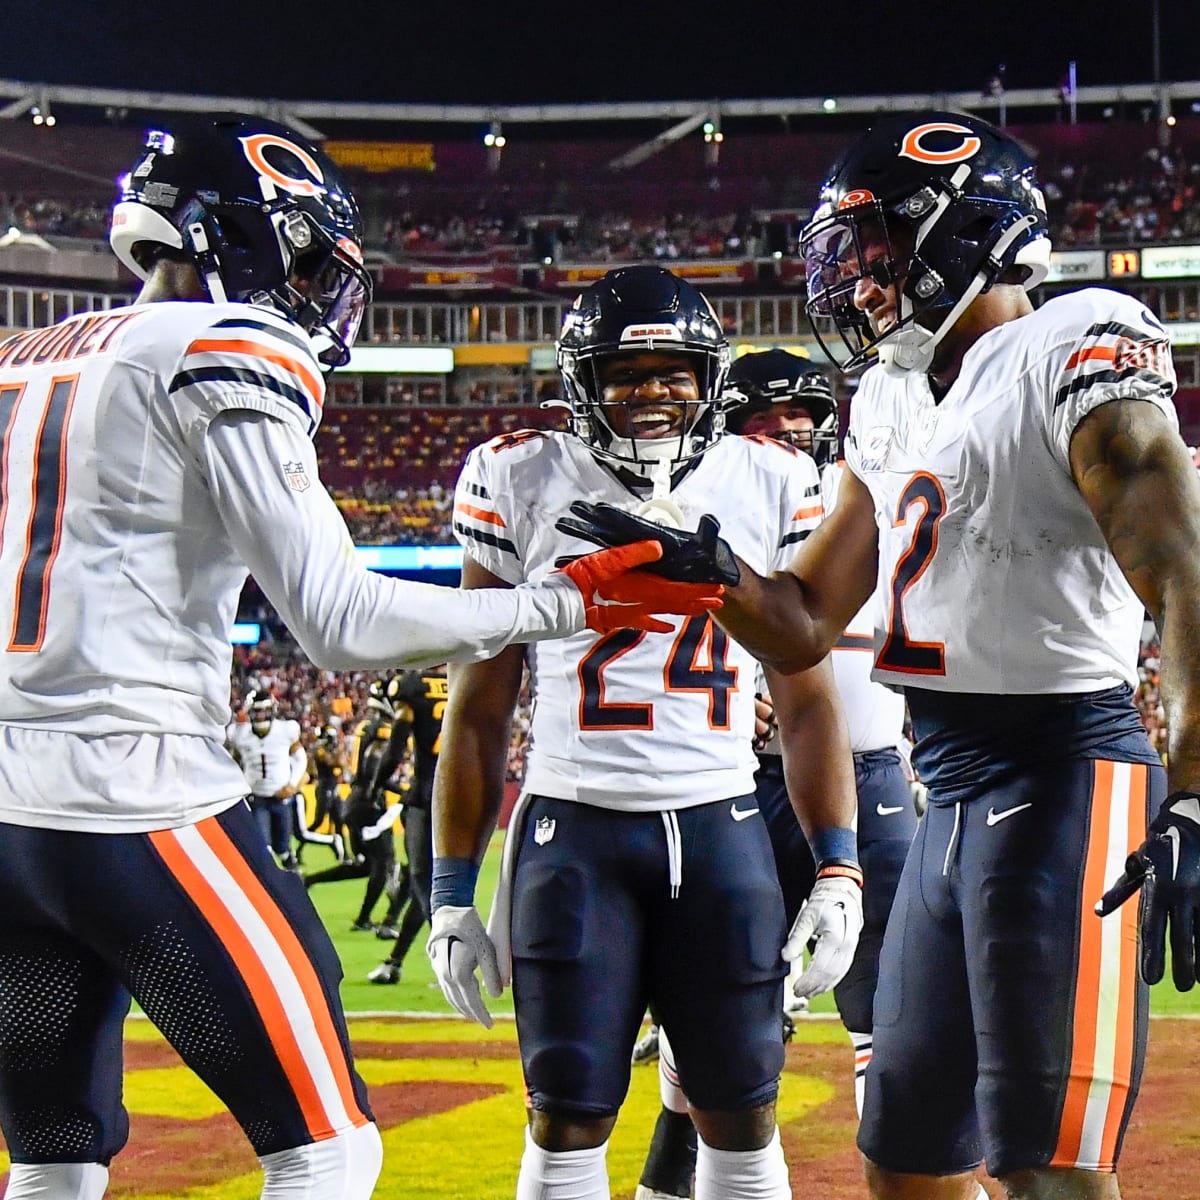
[{"x": 308, "y": 116}]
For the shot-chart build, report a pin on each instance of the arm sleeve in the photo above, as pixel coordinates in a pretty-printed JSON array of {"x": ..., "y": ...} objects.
[
  {"x": 262, "y": 473},
  {"x": 298, "y": 761},
  {"x": 248, "y": 358},
  {"x": 1123, "y": 353},
  {"x": 392, "y": 755},
  {"x": 483, "y": 519},
  {"x": 803, "y": 509}
]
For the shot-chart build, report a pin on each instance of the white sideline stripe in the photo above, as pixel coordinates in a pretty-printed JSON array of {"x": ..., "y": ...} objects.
[{"x": 278, "y": 970}]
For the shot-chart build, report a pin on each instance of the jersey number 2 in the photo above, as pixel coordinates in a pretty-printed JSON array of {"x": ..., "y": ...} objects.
[
  {"x": 43, "y": 532},
  {"x": 900, "y": 652},
  {"x": 696, "y": 664}
]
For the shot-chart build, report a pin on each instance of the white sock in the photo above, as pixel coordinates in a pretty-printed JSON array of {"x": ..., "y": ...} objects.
[
  {"x": 56, "y": 1181},
  {"x": 742, "y": 1174},
  {"x": 562, "y": 1175},
  {"x": 862, "y": 1057},
  {"x": 672, "y": 1095},
  {"x": 343, "y": 1167}
]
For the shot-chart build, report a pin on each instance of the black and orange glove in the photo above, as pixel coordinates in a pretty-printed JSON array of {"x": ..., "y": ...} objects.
[
  {"x": 616, "y": 598},
  {"x": 699, "y": 556}
]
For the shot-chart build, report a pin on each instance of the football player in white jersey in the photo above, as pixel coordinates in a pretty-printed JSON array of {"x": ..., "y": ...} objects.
[
  {"x": 787, "y": 398},
  {"x": 274, "y": 762},
  {"x": 790, "y": 400},
  {"x": 1017, "y": 485},
  {"x": 637, "y": 865},
  {"x": 151, "y": 455}
]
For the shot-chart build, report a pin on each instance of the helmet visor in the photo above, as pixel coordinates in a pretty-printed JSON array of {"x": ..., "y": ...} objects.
[{"x": 845, "y": 253}]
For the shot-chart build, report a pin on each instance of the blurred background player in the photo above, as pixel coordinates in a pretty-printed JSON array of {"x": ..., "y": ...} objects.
[
  {"x": 150, "y": 449},
  {"x": 327, "y": 770},
  {"x": 638, "y": 840},
  {"x": 370, "y": 817},
  {"x": 775, "y": 394},
  {"x": 791, "y": 401},
  {"x": 272, "y": 757},
  {"x": 418, "y": 700}
]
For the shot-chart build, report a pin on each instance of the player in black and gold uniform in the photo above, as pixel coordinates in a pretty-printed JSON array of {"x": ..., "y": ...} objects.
[
  {"x": 418, "y": 699},
  {"x": 368, "y": 818}
]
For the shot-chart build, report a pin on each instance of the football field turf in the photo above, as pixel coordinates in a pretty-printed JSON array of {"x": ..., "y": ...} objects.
[{"x": 418, "y": 993}]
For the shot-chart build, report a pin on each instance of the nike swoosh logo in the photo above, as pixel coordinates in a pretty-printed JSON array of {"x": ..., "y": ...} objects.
[
  {"x": 740, "y": 814},
  {"x": 1174, "y": 835},
  {"x": 994, "y": 817},
  {"x": 888, "y": 810}
]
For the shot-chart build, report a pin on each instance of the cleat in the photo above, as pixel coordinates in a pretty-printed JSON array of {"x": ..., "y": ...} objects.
[
  {"x": 386, "y": 933},
  {"x": 386, "y": 972},
  {"x": 646, "y": 1049},
  {"x": 362, "y": 927}
]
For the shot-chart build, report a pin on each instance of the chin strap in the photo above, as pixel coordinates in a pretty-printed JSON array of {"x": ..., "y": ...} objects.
[
  {"x": 206, "y": 263},
  {"x": 912, "y": 348}
]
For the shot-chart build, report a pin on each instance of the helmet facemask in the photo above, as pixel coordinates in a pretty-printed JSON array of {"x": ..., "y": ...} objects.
[{"x": 595, "y": 421}]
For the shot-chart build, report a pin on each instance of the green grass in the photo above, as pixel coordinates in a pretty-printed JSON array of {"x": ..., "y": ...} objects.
[{"x": 417, "y": 991}]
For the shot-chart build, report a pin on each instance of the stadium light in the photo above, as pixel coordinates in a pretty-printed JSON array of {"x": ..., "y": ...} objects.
[{"x": 829, "y": 104}]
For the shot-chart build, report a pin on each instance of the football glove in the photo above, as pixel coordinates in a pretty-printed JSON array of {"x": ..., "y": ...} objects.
[
  {"x": 458, "y": 945},
  {"x": 615, "y": 598},
  {"x": 689, "y": 557},
  {"x": 831, "y": 920},
  {"x": 1166, "y": 867}
]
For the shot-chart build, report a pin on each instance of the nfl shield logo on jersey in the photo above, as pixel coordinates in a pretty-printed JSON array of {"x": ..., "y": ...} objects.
[
  {"x": 543, "y": 830},
  {"x": 876, "y": 447},
  {"x": 296, "y": 476}
]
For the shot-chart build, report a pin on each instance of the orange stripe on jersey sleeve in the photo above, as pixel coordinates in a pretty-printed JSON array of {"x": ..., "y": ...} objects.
[
  {"x": 1104, "y": 353},
  {"x": 259, "y": 985},
  {"x": 312, "y": 385},
  {"x": 808, "y": 514},
  {"x": 1102, "y": 1041},
  {"x": 480, "y": 514}
]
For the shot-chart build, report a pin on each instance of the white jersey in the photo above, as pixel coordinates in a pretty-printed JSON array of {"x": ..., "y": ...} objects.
[
  {"x": 628, "y": 720},
  {"x": 874, "y": 713},
  {"x": 994, "y": 573},
  {"x": 146, "y": 451},
  {"x": 266, "y": 761}
]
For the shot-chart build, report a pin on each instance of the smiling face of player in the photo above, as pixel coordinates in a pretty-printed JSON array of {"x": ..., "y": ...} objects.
[{"x": 646, "y": 394}]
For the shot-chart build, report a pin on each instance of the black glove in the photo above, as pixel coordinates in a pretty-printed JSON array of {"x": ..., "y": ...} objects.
[
  {"x": 1166, "y": 867},
  {"x": 687, "y": 557}
]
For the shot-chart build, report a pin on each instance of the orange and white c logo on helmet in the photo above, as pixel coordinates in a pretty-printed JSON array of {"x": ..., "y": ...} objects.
[
  {"x": 351, "y": 248},
  {"x": 856, "y": 196},
  {"x": 968, "y": 147},
  {"x": 255, "y": 146}
]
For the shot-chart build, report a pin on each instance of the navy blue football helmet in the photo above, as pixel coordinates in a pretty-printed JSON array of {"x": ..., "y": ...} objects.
[
  {"x": 261, "y": 213},
  {"x": 943, "y": 205},
  {"x": 635, "y": 309},
  {"x": 760, "y": 380}
]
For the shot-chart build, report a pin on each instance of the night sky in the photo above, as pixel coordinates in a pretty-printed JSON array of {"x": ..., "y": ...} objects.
[{"x": 589, "y": 50}]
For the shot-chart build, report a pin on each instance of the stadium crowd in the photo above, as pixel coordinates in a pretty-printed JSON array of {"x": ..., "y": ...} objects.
[{"x": 1089, "y": 203}]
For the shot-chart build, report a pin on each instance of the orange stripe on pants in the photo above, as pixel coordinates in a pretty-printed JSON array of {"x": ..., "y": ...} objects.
[
  {"x": 259, "y": 985},
  {"x": 1106, "y": 986}
]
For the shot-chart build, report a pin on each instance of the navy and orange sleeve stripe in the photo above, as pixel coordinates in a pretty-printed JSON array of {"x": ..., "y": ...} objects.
[{"x": 236, "y": 357}]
